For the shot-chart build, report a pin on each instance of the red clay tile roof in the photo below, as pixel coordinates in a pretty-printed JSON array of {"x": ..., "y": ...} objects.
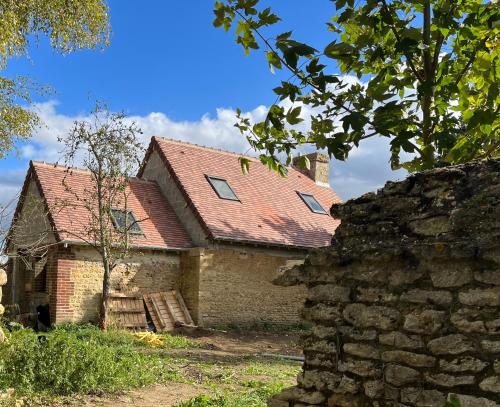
[
  {"x": 158, "y": 221},
  {"x": 270, "y": 211}
]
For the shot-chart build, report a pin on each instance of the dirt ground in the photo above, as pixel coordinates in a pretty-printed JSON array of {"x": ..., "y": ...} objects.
[{"x": 216, "y": 359}]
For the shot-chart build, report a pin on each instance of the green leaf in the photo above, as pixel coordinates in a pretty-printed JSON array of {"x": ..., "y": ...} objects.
[
  {"x": 334, "y": 50},
  {"x": 292, "y": 116},
  {"x": 304, "y": 162},
  {"x": 355, "y": 120},
  {"x": 245, "y": 164}
]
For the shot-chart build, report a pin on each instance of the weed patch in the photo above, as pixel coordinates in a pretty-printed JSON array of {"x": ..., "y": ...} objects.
[
  {"x": 257, "y": 397},
  {"x": 76, "y": 360}
]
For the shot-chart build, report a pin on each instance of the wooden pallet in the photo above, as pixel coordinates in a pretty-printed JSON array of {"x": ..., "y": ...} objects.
[
  {"x": 168, "y": 310},
  {"x": 127, "y": 311}
]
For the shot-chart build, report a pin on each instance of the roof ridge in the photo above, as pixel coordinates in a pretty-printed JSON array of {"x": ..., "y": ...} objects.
[
  {"x": 202, "y": 147},
  {"x": 290, "y": 167},
  {"x": 58, "y": 166},
  {"x": 82, "y": 170}
]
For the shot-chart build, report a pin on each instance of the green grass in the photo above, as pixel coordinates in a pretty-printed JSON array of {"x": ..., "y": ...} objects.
[
  {"x": 71, "y": 360},
  {"x": 256, "y": 397},
  {"x": 177, "y": 342}
]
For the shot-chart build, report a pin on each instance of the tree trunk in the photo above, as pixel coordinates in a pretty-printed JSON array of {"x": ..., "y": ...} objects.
[{"x": 106, "y": 282}]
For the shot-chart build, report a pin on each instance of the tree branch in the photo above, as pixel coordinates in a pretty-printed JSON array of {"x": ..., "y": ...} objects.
[{"x": 409, "y": 60}]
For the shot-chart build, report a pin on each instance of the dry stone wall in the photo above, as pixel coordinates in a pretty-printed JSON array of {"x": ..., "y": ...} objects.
[{"x": 405, "y": 304}]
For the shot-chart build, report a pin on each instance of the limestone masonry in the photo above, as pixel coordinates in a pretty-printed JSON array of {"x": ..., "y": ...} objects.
[{"x": 405, "y": 304}]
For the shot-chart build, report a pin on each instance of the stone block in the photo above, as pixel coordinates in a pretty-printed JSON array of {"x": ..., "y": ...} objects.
[
  {"x": 450, "y": 345},
  {"x": 324, "y": 332},
  {"x": 347, "y": 385},
  {"x": 401, "y": 277},
  {"x": 424, "y": 322},
  {"x": 400, "y": 375},
  {"x": 318, "y": 379},
  {"x": 481, "y": 297},
  {"x": 408, "y": 358},
  {"x": 493, "y": 326},
  {"x": 491, "y": 346},
  {"x": 434, "y": 226},
  {"x": 427, "y": 297},
  {"x": 342, "y": 400},
  {"x": 329, "y": 293},
  {"x": 352, "y": 333},
  {"x": 363, "y": 368},
  {"x": 322, "y": 313},
  {"x": 374, "y": 388},
  {"x": 362, "y": 350},
  {"x": 462, "y": 364},
  {"x": 423, "y": 398},
  {"x": 323, "y": 346},
  {"x": 488, "y": 277},
  {"x": 491, "y": 384},
  {"x": 447, "y": 277},
  {"x": 374, "y": 316},
  {"x": 375, "y": 295},
  {"x": 401, "y": 340},
  {"x": 447, "y": 380},
  {"x": 468, "y": 320},
  {"x": 318, "y": 360},
  {"x": 296, "y": 394}
]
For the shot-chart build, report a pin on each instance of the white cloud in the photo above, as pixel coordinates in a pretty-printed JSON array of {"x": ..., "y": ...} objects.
[{"x": 367, "y": 168}]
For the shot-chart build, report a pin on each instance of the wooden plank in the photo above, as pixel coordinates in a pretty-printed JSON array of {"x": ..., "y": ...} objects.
[
  {"x": 182, "y": 305},
  {"x": 155, "y": 316},
  {"x": 160, "y": 319},
  {"x": 170, "y": 309},
  {"x": 128, "y": 310}
]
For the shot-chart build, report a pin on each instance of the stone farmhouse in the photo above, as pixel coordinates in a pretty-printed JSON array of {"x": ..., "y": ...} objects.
[{"x": 217, "y": 236}]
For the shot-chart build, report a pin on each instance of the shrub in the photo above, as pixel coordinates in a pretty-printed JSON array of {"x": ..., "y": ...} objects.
[{"x": 75, "y": 360}]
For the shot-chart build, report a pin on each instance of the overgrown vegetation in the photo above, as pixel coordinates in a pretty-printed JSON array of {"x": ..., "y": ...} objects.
[{"x": 75, "y": 360}]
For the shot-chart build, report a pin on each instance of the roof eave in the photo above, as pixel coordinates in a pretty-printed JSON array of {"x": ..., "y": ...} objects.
[
  {"x": 132, "y": 246},
  {"x": 260, "y": 243}
]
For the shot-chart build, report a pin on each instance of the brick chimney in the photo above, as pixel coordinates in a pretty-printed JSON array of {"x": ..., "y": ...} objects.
[{"x": 320, "y": 168}]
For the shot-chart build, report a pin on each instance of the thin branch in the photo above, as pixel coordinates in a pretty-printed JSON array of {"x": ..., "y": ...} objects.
[{"x": 409, "y": 60}]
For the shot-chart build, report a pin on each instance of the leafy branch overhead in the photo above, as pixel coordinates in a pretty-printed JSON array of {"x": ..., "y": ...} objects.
[
  {"x": 424, "y": 74},
  {"x": 70, "y": 25}
]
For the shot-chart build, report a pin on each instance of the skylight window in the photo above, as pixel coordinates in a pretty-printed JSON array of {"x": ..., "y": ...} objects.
[
  {"x": 122, "y": 220},
  {"x": 222, "y": 188},
  {"x": 312, "y": 203}
]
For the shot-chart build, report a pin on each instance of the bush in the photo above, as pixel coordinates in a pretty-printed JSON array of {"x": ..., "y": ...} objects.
[{"x": 75, "y": 360}]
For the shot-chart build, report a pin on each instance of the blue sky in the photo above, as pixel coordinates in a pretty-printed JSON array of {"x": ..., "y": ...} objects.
[{"x": 178, "y": 77}]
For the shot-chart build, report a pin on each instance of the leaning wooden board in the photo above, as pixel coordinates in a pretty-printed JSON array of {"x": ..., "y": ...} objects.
[
  {"x": 167, "y": 310},
  {"x": 127, "y": 311}
]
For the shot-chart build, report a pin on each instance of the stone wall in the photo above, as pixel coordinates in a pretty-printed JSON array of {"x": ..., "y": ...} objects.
[
  {"x": 233, "y": 286},
  {"x": 75, "y": 284},
  {"x": 405, "y": 304}
]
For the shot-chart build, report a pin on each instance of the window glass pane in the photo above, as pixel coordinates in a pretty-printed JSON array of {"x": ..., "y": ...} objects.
[
  {"x": 222, "y": 188},
  {"x": 119, "y": 221},
  {"x": 313, "y": 204}
]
